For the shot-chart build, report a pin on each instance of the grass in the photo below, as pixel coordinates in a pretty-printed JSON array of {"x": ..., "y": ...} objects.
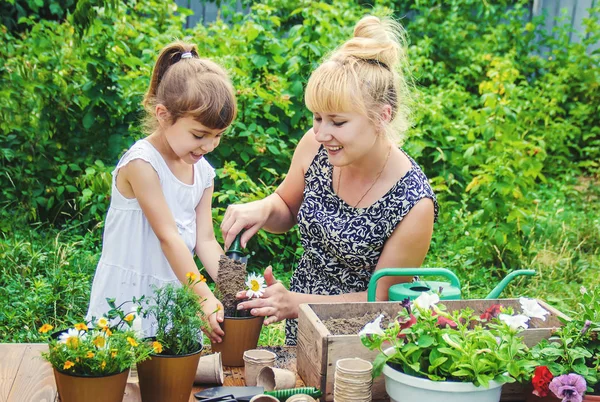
[{"x": 47, "y": 273}]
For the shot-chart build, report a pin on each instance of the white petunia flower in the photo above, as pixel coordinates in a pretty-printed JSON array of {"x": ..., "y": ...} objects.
[
  {"x": 515, "y": 321},
  {"x": 256, "y": 286},
  {"x": 373, "y": 328},
  {"x": 532, "y": 309},
  {"x": 426, "y": 300}
]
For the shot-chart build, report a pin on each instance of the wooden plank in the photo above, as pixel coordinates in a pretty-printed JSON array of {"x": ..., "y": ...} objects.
[
  {"x": 312, "y": 338},
  {"x": 35, "y": 380},
  {"x": 11, "y": 356}
]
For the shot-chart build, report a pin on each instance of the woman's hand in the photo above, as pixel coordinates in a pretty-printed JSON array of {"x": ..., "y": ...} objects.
[
  {"x": 251, "y": 216},
  {"x": 277, "y": 303},
  {"x": 213, "y": 309}
]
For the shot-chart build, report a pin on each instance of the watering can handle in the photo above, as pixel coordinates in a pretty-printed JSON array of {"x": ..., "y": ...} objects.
[{"x": 372, "y": 290}]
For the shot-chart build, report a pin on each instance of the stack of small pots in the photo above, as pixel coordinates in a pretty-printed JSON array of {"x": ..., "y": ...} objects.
[{"x": 353, "y": 380}]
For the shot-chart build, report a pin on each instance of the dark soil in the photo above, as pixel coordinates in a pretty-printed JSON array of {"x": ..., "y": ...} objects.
[
  {"x": 353, "y": 325},
  {"x": 230, "y": 280},
  {"x": 286, "y": 356}
]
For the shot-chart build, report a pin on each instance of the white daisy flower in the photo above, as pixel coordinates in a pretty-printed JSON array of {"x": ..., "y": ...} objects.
[
  {"x": 426, "y": 300},
  {"x": 256, "y": 286},
  {"x": 515, "y": 321},
  {"x": 373, "y": 328},
  {"x": 72, "y": 337},
  {"x": 532, "y": 309}
]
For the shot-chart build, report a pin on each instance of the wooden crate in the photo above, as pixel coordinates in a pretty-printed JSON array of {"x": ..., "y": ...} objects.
[{"x": 318, "y": 350}]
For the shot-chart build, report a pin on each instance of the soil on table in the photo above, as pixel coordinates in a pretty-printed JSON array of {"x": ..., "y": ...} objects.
[
  {"x": 231, "y": 279},
  {"x": 353, "y": 325},
  {"x": 286, "y": 356}
]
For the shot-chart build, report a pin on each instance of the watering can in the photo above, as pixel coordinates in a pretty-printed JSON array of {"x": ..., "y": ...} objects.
[{"x": 447, "y": 290}]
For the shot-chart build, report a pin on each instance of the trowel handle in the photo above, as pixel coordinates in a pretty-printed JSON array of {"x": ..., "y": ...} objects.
[
  {"x": 500, "y": 287},
  {"x": 372, "y": 290},
  {"x": 235, "y": 250}
]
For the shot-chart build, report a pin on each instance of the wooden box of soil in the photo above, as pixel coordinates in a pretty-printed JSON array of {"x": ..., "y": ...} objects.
[{"x": 328, "y": 332}]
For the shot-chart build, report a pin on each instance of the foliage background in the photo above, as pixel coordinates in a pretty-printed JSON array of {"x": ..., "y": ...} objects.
[{"x": 506, "y": 126}]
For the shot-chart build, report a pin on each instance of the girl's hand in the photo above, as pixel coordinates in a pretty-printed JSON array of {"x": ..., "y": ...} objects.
[
  {"x": 213, "y": 309},
  {"x": 277, "y": 303},
  {"x": 251, "y": 216}
]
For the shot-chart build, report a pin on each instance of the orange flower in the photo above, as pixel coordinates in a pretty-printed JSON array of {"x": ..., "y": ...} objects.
[
  {"x": 81, "y": 327},
  {"x": 107, "y": 331},
  {"x": 113, "y": 354},
  {"x": 191, "y": 276},
  {"x": 102, "y": 365},
  {"x": 157, "y": 347},
  {"x": 68, "y": 365},
  {"x": 45, "y": 328},
  {"x": 99, "y": 341},
  {"x": 72, "y": 342},
  {"x": 132, "y": 341},
  {"x": 89, "y": 355},
  {"x": 129, "y": 317},
  {"x": 202, "y": 278}
]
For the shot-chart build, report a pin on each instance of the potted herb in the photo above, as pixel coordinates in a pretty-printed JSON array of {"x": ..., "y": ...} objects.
[
  {"x": 429, "y": 354},
  {"x": 169, "y": 374},
  {"x": 241, "y": 330},
  {"x": 91, "y": 361},
  {"x": 568, "y": 364}
]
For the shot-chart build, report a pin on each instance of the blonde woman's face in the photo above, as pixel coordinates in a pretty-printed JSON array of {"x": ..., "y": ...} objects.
[
  {"x": 347, "y": 137},
  {"x": 190, "y": 140}
]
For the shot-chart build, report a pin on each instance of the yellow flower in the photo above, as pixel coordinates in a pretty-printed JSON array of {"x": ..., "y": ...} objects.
[
  {"x": 102, "y": 365},
  {"x": 129, "y": 317},
  {"x": 68, "y": 365},
  {"x": 107, "y": 331},
  {"x": 191, "y": 276},
  {"x": 102, "y": 322},
  {"x": 72, "y": 342},
  {"x": 89, "y": 355},
  {"x": 202, "y": 278},
  {"x": 45, "y": 328},
  {"x": 99, "y": 341},
  {"x": 157, "y": 347},
  {"x": 132, "y": 341},
  {"x": 113, "y": 354},
  {"x": 81, "y": 327}
]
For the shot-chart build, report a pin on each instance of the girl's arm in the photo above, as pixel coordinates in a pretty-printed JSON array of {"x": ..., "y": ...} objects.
[
  {"x": 207, "y": 248},
  {"x": 145, "y": 185},
  {"x": 406, "y": 248},
  {"x": 277, "y": 212}
]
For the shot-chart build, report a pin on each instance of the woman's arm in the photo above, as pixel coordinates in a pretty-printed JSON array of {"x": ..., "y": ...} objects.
[
  {"x": 145, "y": 185},
  {"x": 406, "y": 248},
  {"x": 277, "y": 212}
]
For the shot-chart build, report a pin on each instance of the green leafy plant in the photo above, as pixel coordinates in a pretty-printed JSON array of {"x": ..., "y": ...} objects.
[
  {"x": 429, "y": 342},
  {"x": 179, "y": 317},
  {"x": 574, "y": 348},
  {"x": 108, "y": 345}
]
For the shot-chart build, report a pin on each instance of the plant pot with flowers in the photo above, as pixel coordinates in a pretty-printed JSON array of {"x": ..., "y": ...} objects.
[
  {"x": 169, "y": 373},
  {"x": 242, "y": 330},
  {"x": 567, "y": 366},
  {"x": 429, "y": 354},
  {"x": 91, "y": 361}
]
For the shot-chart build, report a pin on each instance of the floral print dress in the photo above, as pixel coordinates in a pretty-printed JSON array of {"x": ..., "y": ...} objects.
[{"x": 342, "y": 244}]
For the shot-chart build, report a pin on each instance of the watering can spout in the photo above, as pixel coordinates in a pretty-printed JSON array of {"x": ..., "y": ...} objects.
[{"x": 500, "y": 287}]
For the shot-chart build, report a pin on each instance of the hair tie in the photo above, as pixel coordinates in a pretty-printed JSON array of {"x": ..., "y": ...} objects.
[
  {"x": 377, "y": 63},
  {"x": 187, "y": 55}
]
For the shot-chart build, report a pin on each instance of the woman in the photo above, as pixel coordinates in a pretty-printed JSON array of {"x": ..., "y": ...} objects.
[{"x": 361, "y": 203}]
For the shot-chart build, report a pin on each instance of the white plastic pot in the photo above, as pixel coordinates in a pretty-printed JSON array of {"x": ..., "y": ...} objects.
[{"x": 405, "y": 388}]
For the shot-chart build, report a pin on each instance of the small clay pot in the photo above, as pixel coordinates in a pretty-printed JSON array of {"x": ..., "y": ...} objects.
[{"x": 241, "y": 334}]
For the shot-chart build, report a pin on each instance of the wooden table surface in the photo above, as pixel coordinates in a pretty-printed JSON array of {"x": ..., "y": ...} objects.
[{"x": 26, "y": 377}]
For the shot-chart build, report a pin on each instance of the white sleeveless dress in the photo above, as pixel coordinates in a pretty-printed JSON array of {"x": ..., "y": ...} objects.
[{"x": 132, "y": 259}]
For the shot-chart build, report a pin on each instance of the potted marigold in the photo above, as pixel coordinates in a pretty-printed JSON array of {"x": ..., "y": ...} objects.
[
  {"x": 177, "y": 310},
  {"x": 429, "y": 354},
  {"x": 91, "y": 361},
  {"x": 568, "y": 364}
]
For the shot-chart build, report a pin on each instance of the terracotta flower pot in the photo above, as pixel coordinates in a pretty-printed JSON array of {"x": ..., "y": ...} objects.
[
  {"x": 168, "y": 378},
  {"x": 591, "y": 398},
  {"x": 74, "y": 388},
  {"x": 241, "y": 334}
]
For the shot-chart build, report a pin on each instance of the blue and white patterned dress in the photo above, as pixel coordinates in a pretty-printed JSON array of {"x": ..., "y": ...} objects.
[{"x": 342, "y": 244}]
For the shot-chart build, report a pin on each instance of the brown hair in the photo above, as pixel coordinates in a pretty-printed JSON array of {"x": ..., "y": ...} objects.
[
  {"x": 189, "y": 86},
  {"x": 364, "y": 74}
]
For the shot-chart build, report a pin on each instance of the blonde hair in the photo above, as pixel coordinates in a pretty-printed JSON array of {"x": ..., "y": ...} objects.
[
  {"x": 189, "y": 86},
  {"x": 364, "y": 74}
]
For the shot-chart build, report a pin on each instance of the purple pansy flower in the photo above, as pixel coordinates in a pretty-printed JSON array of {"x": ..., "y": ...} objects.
[{"x": 569, "y": 387}]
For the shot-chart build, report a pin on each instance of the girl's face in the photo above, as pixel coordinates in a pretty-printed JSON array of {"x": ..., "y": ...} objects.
[
  {"x": 347, "y": 136},
  {"x": 190, "y": 140}
]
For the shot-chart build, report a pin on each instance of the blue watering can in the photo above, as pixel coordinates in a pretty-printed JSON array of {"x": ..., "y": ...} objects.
[{"x": 449, "y": 290}]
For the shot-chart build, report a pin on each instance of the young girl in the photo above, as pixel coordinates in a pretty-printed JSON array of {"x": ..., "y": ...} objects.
[
  {"x": 360, "y": 202},
  {"x": 160, "y": 210}
]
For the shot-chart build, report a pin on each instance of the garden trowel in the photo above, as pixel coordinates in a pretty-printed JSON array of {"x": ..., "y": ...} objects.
[{"x": 235, "y": 251}]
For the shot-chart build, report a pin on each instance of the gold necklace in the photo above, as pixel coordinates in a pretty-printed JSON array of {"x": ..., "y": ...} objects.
[{"x": 372, "y": 184}]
